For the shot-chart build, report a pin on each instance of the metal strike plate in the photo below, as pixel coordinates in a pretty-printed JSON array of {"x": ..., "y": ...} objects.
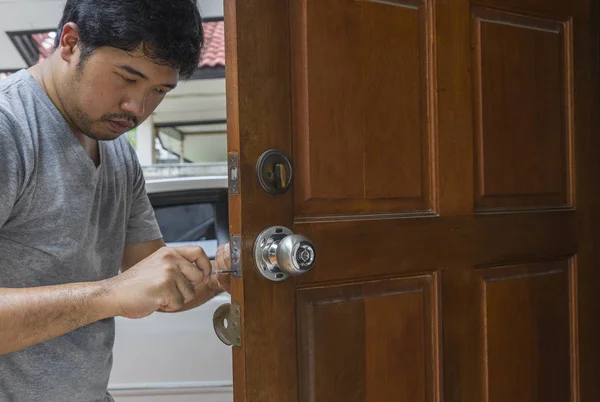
[
  {"x": 274, "y": 170},
  {"x": 235, "y": 248},
  {"x": 233, "y": 172},
  {"x": 227, "y": 324}
]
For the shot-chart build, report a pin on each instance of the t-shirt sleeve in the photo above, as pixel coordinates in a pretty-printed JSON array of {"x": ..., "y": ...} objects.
[
  {"x": 142, "y": 226},
  {"x": 11, "y": 169}
]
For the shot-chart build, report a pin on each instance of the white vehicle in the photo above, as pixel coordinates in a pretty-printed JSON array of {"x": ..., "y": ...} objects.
[{"x": 177, "y": 357}]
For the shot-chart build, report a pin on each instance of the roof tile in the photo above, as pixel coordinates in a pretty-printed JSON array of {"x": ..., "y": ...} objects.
[{"x": 213, "y": 52}]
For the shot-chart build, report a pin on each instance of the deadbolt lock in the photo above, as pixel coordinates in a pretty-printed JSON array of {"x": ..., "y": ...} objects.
[
  {"x": 279, "y": 254},
  {"x": 274, "y": 171}
]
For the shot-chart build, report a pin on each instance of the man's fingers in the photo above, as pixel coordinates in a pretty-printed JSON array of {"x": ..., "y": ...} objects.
[
  {"x": 220, "y": 266},
  {"x": 185, "y": 288},
  {"x": 223, "y": 263},
  {"x": 220, "y": 260},
  {"x": 223, "y": 258},
  {"x": 190, "y": 272},
  {"x": 196, "y": 255},
  {"x": 174, "y": 299}
]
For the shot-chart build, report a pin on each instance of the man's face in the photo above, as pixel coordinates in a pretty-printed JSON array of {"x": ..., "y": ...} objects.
[{"x": 113, "y": 91}]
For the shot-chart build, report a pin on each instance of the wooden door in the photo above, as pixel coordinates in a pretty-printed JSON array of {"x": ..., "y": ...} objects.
[{"x": 447, "y": 167}]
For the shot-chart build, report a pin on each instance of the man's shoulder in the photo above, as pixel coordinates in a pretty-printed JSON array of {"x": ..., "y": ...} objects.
[
  {"x": 11, "y": 91},
  {"x": 16, "y": 146},
  {"x": 13, "y": 125},
  {"x": 21, "y": 111},
  {"x": 13, "y": 85},
  {"x": 8, "y": 121}
]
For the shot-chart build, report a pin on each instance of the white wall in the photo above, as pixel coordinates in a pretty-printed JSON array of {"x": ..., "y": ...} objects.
[
  {"x": 206, "y": 147},
  {"x": 145, "y": 142},
  {"x": 194, "y": 100},
  {"x": 23, "y": 15},
  {"x": 210, "y": 8},
  {"x": 200, "y": 148}
]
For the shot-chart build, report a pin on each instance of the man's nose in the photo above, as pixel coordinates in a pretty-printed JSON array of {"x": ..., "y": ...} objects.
[{"x": 135, "y": 105}]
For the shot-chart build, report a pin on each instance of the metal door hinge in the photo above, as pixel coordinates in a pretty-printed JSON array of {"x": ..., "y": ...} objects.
[
  {"x": 233, "y": 172},
  {"x": 227, "y": 324}
]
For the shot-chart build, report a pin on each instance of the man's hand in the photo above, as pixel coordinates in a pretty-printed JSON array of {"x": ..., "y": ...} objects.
[
  {"x": 222, "y": 262},
  {"x": 166, "y": 280}
]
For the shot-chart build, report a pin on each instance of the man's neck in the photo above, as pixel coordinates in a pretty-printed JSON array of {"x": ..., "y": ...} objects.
[{"x": 43, "y": 74}]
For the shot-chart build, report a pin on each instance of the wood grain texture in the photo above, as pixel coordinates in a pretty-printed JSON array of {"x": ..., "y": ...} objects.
[
  {"x": 527, "y": 332},
  {"x": 372, "y": 152},
  {"x": 258, "y": 64},
  {"x": 523, "y": 84},
  {"x": 446, "y": 168},
  {"x": 394, "y": 321}
]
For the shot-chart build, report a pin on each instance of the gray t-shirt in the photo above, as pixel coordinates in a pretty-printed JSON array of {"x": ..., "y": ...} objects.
[{"x": 62, "y": 220}]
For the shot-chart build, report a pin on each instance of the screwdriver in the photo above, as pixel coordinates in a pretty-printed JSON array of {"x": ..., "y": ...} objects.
[{"x": 223, "y": 271}]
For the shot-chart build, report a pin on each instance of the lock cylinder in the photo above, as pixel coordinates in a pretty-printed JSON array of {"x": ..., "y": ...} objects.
[{"x": 279, "y": 254}]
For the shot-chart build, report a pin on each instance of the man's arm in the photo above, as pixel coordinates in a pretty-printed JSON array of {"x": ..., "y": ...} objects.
[
  {"x": 204, "y": 291},
  {"x": 34, "y": 315},
  {"x": 164, "y": 281}
]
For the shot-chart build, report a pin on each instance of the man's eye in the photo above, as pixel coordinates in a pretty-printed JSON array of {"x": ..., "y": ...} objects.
[
  {"x": 128, "y": 80},
  {"x": 160, "y": 91}
]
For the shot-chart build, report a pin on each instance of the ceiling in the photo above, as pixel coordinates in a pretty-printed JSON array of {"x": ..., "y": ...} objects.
[{"x": 192, "y": 102}]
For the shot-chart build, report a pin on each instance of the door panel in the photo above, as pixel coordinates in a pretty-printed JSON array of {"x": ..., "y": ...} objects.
[
  {"x": 369, "y": 317},
  {"x": 533, "y": 345},
  {"x": 446, "y": 168},
  {"x": 362, "y": 142},
  {"x": 523, "y": 89}
]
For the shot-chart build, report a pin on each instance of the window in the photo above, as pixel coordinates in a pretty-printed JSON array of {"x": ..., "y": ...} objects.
[{"x": 189, "y": 224}]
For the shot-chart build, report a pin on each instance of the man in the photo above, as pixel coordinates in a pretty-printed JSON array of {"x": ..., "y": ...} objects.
[{"x": 73, "y": 208}]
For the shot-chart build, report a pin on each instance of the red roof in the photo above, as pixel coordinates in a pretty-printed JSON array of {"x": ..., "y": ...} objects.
[
  {"x": 45, "y": 43},
  {"x": 213, "y": 52}
]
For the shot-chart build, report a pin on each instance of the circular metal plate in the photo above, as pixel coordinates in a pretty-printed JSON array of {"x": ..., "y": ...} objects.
[
  {"x": 261, "y": 246},
  {"x": 225, "y": 319},
  {"x": 266, "y": 168}
]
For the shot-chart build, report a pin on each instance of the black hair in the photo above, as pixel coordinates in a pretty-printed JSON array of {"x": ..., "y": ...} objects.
[{"x": 169, "y": 32}]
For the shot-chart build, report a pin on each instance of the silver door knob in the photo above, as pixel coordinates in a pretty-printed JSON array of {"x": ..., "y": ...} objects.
[{"x": 279, "y": 253}]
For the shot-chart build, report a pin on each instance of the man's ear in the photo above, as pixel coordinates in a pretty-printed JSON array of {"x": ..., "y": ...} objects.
[{"x": 69, "y": 41}]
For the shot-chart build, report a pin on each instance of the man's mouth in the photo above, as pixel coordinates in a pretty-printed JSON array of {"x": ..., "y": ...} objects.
[{"x": 120, "y": 126}]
